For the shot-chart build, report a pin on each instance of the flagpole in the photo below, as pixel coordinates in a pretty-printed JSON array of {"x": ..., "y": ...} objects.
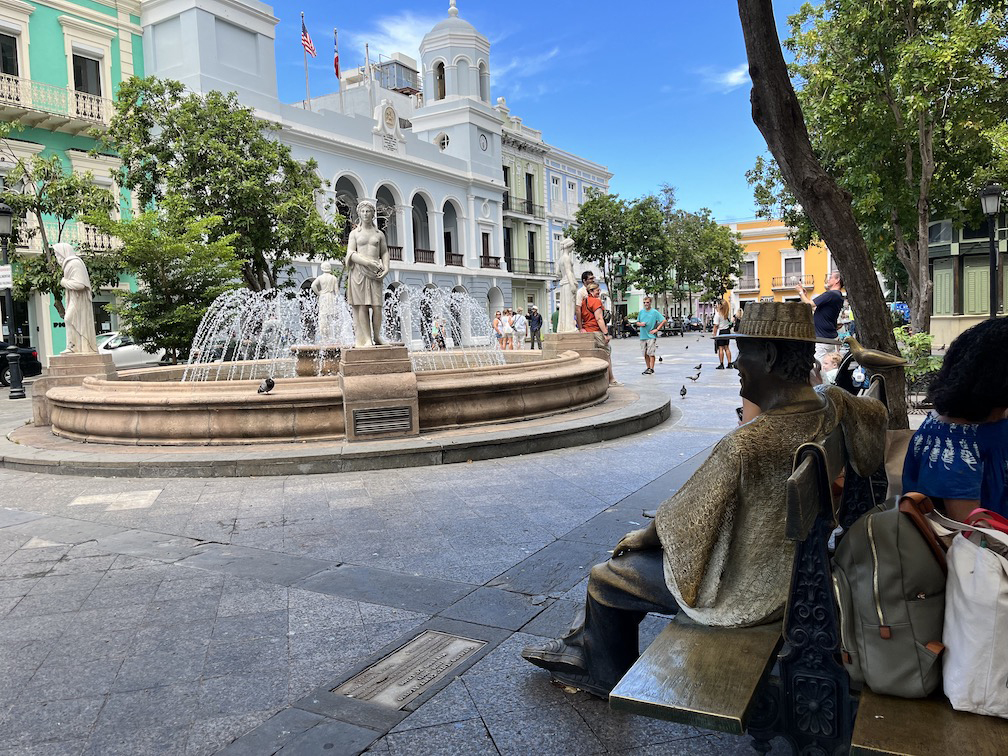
[
  {"x": 339, "y": 80},
  {"x": 306, "y": 87}
]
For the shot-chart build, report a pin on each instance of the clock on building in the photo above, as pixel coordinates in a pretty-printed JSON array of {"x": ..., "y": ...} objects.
[{"x": 483, "y": 142}]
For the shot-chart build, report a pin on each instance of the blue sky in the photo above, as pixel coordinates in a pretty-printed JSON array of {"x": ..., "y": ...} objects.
[{"x": 657, "y": 91}]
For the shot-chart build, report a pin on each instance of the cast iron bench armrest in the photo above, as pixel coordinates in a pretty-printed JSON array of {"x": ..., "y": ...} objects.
[
  {"x": 917, "y": 727},
  {"x": 701, "y": 676}
]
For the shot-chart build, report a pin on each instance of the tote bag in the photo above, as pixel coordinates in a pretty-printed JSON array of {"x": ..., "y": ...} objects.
[{"x": 975, "y": 666}]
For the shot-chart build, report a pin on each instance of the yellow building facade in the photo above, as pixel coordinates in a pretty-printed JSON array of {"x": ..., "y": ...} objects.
[{"x": 773, "y": 270}]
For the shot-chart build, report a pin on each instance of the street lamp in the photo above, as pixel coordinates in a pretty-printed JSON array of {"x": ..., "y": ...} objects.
[
  {"x": 13, "y": 356},
  {"x": 617, "y": 284},
  {"x": 990, "y": 199}
]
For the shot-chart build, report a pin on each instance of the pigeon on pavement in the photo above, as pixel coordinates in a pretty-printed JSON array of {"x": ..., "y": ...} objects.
[
  {"x": 682, "y": 391},
  {"x": 697, "y": 367},
  {"x": 694, "y": 378},
  {"x": 267, "y": 385}
]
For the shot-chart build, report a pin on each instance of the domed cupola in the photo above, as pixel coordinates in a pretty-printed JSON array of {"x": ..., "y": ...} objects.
[{"x": 456, "y": 60}]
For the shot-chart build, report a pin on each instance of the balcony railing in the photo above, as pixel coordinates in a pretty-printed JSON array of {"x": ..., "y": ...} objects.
[
  {"x": 395, "y": 253},
  {"x": 423, "y": 256},
  {"x": 453, "y": 259},
  {"x": 523, "y": 207},
  {"x": 792, "y": 282},
  {"x": 530, "y": 267},
  {"x": 81, "y": 235},
  {"x": 748, "y": 284},
  {"x": 489, "y": 262},
  {"x": 45, "y": 106}
]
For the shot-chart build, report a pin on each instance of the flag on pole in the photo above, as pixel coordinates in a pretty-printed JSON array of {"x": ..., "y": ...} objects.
[
  {"x": 306, "y": 42},
  {"x": 336, "y": 51}
]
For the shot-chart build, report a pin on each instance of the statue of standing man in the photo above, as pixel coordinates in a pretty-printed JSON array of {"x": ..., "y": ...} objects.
[
  {"x": 367, "y": 263},
  {"x": 78, "y": 314},
  {"x": 567, "y": 287},
  {"x": 325, "y": 286}
]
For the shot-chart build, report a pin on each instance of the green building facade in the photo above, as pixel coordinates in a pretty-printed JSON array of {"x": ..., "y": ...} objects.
[{"x": 61, "y": 62}]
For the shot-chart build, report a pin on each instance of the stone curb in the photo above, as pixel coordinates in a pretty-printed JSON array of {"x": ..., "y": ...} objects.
[{"x": 651, "y": 408}]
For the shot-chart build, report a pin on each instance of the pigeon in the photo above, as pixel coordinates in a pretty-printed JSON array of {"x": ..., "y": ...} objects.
[
  {"x": 267, "y": 385},
  {"x": 687, "y": 346},
  {"x": 659, "y": 358},
  {"x": 682, "y": 392},
  {"x": 694, "y": 378},
  {"x": 697, "y": 367},
  {"x": 872, "y": 358}
]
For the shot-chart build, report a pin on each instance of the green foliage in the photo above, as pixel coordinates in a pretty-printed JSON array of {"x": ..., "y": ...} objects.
[
  {"x": 905, "y": 105},
  {"x": 220, "y": 160},
  {"x": 601, "y": 233},
  {"x": 41, "y": 188},
  {"x": 183, "y": 264},
  {"x": 916, "y": 350},
  {"x": 632, "y": 316},
  {"x": 648, "y": 244}
]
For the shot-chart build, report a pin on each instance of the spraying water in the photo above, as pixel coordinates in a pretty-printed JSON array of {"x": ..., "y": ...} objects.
[{"x": 441, "y": 329}]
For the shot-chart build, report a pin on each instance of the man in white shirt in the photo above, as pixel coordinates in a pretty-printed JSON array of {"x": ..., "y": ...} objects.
[{"x": 520, "y": 329}]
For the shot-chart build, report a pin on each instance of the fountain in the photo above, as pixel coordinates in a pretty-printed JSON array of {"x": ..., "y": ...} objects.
[{"x": 442, "y": 369}]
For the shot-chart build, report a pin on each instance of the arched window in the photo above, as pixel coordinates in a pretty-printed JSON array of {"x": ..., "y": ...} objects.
[
  {"x": 484, "y": 82},
  {"x": 439, "y": 80}
]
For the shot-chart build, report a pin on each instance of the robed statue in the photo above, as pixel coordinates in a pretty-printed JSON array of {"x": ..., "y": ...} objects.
[
  {"x": 367, "y": 264},
  {"x": 78, "y": 313}
]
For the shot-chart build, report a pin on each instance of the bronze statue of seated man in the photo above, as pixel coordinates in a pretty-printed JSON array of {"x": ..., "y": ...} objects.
[{"x": 717, "y": 549}]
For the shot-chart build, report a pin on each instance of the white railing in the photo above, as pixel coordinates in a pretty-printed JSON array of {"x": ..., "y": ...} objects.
[{"x": 45, "y": 98}]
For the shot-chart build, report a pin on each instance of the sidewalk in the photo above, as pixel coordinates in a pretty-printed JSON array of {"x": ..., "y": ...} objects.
[{"x": 185, "y": 616}]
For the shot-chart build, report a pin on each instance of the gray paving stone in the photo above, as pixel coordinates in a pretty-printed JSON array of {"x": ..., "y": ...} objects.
[
  {"x": 207, "y": 736},
  {"x": 273, "y": 734},
  {"x": 242, "y": 693},
  {"x": 468, "y": 738},
  {"x": 329, "y": 737},
  {"x": 453, "y": 704},
  {"x": 151, "y": 670},
  {"x": 551, "y": 729},
  {"x": 494, "y": 607},
  {"x": 259, "y": 564},
  {"x": 173, "y": 706},
  {"x": 553, "y": 570},
  {"x": 618, "y": 731},
  {"x": 555, "y": 620},
  {"x": 125, "y": 740},
  {"x": 30, "y": 723},
  {"x": 258, "y": 655},
  {"x": 60, "y": 678},
  {"x": 251, "y": 626},
  {"x": 426, "y": 595}
]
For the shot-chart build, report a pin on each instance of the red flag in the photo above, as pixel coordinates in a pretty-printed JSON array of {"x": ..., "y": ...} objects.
[
  {"x": 306, "y": 42},
  {"x": 336, "y": 53}
]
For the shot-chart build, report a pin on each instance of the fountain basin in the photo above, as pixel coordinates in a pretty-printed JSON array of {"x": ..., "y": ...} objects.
[
  {"x": 316, "y": 359},
  {"x": 153, "y": 412}
]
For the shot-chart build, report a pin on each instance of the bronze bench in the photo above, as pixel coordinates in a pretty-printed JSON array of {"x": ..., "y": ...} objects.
[{"x": 786, "y": 680}]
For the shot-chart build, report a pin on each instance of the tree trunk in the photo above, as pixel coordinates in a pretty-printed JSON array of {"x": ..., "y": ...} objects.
[{"x": 778, "y": 115}]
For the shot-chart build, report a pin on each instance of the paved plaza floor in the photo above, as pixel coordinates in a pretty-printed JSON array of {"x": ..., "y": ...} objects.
[{"x": 187, "y": 616}]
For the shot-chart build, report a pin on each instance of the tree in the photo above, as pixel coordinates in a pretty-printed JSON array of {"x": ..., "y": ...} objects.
[
  {"x": 183, "y": 265},
  {"x": 223, "y": 161},
  {"x": 648, "y": 243},
  {"x": 719, "y": 252},
  {"x": 601, "y": 232},
  {"x": 42, "y": 188},
  {"x": 778, "y": 115},
  {"x": 902, "y": 102}
]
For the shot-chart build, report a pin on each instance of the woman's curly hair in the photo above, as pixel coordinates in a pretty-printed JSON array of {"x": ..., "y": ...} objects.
[{"x": 970, "y": 384}]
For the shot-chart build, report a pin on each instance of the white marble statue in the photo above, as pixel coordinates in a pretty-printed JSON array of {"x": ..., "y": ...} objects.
[
  {"x": 367, "y": 263},
  {"x": 78, "y": 313},
  {"x": 567, "y": 287},
  {"x": 326, "y": 286}
]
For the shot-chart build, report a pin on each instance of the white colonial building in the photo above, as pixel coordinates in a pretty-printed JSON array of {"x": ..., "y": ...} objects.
[{"x": 423, "y": 142}]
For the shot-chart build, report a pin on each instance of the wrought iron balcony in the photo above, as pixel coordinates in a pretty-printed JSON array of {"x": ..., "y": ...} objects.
[
  {"x": 518, "y": 206},
  {"x": 395, "y": 253},
  {"x": 452, "y": 258},
  {"x": 423, "y": 256},
  {"x": 81, "y": 235},
  {"x": 490, "y": 262},
  {"x": 792, "y": 282},
  {"x": 747, "y": 284},
  {"x": 32, "y": 103},
  {"x": 530, "y": 267}
]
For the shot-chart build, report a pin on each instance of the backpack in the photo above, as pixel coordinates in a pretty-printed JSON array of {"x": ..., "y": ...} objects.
[{"x": 889, "y": 581}]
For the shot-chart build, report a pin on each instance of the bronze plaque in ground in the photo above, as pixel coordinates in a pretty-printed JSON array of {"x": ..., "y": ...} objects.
[{"x": 410, "y": 670}]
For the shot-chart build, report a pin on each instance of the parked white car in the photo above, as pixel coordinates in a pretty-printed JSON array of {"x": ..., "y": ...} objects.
[{"x": 125, "y": 353}]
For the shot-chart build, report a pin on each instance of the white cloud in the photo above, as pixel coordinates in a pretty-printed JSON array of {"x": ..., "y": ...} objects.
[
  {"x": 402, "y": 33},
  {"x": 725, "y": 81}
]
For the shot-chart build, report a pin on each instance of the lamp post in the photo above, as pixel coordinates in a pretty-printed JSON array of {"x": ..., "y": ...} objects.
[
  {"x": 13, "y": 356},
  {"x": 617, "y": 282},
  {"x": 990, "y": 199}
]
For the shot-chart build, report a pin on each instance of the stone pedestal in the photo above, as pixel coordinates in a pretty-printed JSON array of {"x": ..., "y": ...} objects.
[
  {"x": 379, "y": 393},
  {"x": 67, "y": 370},
  {"x": 555, "y": 344}
]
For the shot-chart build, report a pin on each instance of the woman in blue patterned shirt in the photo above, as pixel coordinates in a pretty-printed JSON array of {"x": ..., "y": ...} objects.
[{"x": 959, "y": 455}]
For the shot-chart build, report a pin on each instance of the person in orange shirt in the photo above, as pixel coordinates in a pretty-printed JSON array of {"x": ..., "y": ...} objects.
[{"x": 593, "y": 321}]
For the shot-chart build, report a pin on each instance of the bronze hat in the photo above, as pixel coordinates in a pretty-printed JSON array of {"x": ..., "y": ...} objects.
[{"x": 786, "y": 321}]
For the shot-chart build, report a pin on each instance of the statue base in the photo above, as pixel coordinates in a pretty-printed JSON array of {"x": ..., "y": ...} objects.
[
  {"x": 380, "y": 397},
  {"x": 316, "y": 359},
  {"x": 555, "y": 344},
  {"x": 67, "y": 370}
]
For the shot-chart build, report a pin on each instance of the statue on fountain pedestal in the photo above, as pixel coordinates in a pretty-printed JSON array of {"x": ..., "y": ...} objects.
[
  {"x": 78, "y": 315},
  {"x": 367, "y": 263},
  {"x": 567, "y": 287},
  {"x": 326, "y": 286}
]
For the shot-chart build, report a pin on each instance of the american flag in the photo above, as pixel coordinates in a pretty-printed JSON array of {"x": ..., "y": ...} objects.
[{"x": 306, "y": 42}]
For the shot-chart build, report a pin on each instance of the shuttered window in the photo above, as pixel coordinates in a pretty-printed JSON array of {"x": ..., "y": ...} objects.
[{"x": 942, "y": 302}]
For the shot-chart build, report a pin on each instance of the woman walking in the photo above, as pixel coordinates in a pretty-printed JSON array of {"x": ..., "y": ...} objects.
[{"x": 722, "y": 327}]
